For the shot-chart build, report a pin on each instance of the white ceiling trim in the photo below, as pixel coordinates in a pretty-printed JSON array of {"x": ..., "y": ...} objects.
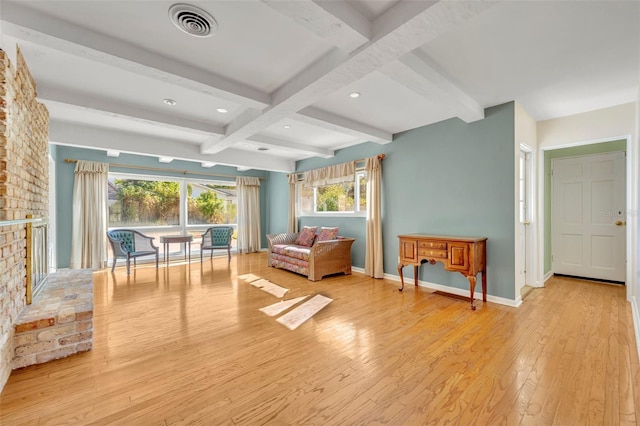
[
  {"x": 79, "y": 135},
  {"x": 333, "y": 122},
  {"x": 400, "y": 30},
  {"x": 335, "y": 21},
  {"x": 293, "y": 96},
  {"x": 56, "y": 34},
  {"x": 311, "y": 151},
  {"x": 102, "y": 106},
  {"x": 419, "y": 73}
]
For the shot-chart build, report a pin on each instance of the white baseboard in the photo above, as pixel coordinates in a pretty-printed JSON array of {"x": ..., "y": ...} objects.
[
  {"x": 547, "y": 276},
  {"x": 356, "y": 269},
  {"x": 458, "y": 291}
]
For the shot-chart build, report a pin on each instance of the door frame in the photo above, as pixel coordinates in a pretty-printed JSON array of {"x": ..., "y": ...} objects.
[
  {"x": 619, "y": 156},
  {"x": 530, "y": 255},
  {"x": 631, "y": 203}
]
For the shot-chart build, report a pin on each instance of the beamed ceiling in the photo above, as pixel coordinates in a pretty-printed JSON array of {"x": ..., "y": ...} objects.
[{"x": 284, "y": 70}]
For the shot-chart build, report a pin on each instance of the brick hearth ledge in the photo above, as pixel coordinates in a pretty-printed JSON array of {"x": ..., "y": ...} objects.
[{"x": 59, "y": 322}]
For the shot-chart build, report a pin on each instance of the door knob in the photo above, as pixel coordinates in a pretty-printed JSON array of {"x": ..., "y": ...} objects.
[{"x": 620, "y": 223}]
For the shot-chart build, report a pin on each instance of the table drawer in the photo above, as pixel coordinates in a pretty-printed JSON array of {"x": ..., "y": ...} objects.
[
  {"x": 442, "y": 245},
  {"x": 432, "y": 253}
]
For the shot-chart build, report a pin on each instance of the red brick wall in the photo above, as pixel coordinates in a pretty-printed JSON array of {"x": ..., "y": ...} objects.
[{"x": 24, "y": 171}]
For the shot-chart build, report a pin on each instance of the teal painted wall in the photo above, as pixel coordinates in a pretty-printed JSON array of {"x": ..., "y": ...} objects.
[
  {"x": 64, "y": 205},
  {"x": 277, "y": 200},
  {"x": 349, "y": 227},
  {"x": 448, "y": 178},
  {"x": 65, "y": 179},
  {"x": 597, "y": 148}
]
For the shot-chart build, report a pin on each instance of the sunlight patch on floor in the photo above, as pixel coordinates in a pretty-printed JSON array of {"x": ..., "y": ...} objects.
[{"x": 295, "y": 317}]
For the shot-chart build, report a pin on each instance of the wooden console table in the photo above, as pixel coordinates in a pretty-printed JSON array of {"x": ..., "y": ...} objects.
[{"x": 467, "y": 255}]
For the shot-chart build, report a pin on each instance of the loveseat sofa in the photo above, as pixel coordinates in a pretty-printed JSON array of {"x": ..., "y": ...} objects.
[{"x": 309, "y": 254}]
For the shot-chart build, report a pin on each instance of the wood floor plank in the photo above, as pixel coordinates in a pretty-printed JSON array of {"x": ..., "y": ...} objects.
[{"x": 187, "y": 345}]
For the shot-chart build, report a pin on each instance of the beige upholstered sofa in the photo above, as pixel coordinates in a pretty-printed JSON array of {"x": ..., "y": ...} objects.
[{"x": 316, "y": 261}]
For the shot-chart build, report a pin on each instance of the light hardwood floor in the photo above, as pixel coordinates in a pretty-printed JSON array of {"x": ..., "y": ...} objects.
[{"x": 188, "y": 346}]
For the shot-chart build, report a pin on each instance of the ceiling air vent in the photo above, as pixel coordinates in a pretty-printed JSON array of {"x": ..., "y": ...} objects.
[{"x": 192, "y": 20}]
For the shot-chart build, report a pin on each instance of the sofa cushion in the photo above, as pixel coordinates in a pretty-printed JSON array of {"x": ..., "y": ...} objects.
[
  {"x": 300, "y": 266},
  {"x": 306, "y": 236},
  {"x": 281, "y": 258},
  {"x": 327, "y": 234},
  {"x": 297, "y": 252}
]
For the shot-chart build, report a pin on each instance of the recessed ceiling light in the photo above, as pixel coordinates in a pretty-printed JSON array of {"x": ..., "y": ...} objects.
[
  {"x": 169, "y": 102},
  {"x": 262, "y": 148},
  {"x": 165, "y": 159},
  {"x": 354, "y": 94},
  {"x": 222, "y": 110},
  {"x": 286, "y": 126},
  {"x": 207, "y": 164}
]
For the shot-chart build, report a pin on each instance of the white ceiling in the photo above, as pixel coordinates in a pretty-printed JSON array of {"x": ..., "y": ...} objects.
[{"x": 103, "y": 69}]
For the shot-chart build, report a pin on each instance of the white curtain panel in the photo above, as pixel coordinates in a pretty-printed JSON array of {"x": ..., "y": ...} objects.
[
  {"x": 373, "y": 260},
  {"x": 89, "y": 232},
  {"x": 293, "y": 219},
  {"x": 248, "y": 214},
  {"x": 343, "y": 172}
]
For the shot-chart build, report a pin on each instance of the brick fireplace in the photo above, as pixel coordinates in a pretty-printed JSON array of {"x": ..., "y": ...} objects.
[{"x": 24, "y": 171}]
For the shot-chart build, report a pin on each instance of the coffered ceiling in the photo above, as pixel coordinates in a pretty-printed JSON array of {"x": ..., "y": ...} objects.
[{"x": 282, "y": 71}]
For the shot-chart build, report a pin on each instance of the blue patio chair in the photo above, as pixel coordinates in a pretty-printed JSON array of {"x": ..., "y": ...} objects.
[
  {"x": 217, "y": 238},
  {"x": 130, "y": 244}
]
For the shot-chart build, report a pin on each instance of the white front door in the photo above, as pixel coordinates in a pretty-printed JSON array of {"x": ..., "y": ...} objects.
[{"x": 588, "y": 213}]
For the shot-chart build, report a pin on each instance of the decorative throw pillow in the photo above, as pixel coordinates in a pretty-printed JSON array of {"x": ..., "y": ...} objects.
[
  {"x": 327, "y": 234},
  {"x": 306, "y": 236}
]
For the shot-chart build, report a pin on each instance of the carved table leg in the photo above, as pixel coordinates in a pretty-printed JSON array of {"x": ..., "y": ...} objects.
[
  {"x": 484, "y": 286},
  {"x": 472, "y": 284},
  {"x": 400, "y": 265}
]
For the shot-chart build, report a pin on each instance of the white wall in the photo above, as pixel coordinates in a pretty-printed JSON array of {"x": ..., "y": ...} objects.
[
  {"x": 7, "y": 44},
  {"x": 636, "y": 180},
  {"x": 635, "y": 294},
  {"x": 1, "y": 33},
  {"x": 525, "y": 127},
  {"x": 526, "y": 134},
  {"x": 604, "y": 124}
]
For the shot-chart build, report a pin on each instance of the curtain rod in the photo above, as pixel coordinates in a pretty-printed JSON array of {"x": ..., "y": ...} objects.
[
  {"x": 163, "y": 169},
  {"x": 380, "y": 157}
]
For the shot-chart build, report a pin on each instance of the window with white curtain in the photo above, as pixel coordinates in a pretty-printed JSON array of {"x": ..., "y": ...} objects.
[
  {"x": 346, "y": 198},
  {"x": 158, "y": 205}
]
